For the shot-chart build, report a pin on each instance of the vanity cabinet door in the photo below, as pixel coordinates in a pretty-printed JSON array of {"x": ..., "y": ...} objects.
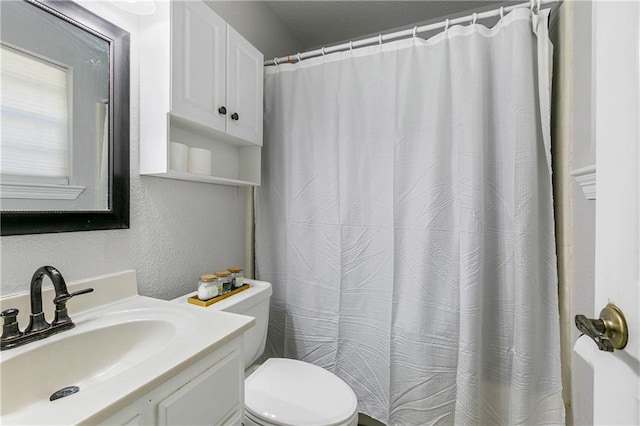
[
  {"x": 208, "y": 399},
  {"x": 198, "y": 64},
  {"x": 244, "y": 88}
]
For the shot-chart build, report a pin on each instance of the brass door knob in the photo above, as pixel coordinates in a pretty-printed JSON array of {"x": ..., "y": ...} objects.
[{"x": 609, "y": 331}]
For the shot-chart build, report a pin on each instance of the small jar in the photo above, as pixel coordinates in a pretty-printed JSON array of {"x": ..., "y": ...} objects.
[
  {"x": 224, "y": 280},
  {"x": 237, "y": 276},
  {"x": 207, "y": 287}
]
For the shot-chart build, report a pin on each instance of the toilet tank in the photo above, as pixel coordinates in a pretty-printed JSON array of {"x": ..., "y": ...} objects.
[{"x": 253, "y": 302}]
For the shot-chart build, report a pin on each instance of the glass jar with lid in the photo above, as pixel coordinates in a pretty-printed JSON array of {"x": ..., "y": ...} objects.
[
  {"x": 224, "y": 280},
  {"x": 238, "y": 276},
  {"x": 207, "y": 287}
]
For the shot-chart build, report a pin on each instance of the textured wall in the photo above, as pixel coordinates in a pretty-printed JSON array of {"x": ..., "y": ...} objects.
[{"x": 178, "y": 229}]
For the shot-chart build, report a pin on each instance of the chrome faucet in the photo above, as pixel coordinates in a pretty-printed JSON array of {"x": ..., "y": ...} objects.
[{"x": 38, "y": 327}]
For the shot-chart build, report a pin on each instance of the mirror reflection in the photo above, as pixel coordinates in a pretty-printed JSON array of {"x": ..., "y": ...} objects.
[{"x": 55, "y": 113}]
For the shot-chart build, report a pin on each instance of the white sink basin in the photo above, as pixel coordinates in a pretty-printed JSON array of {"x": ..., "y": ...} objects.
[
  {"x": 91, "y": 353},
  {"x": 116, "y": 353}
]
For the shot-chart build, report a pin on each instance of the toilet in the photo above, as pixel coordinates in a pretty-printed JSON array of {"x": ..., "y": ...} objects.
[{"x": 284, "y": 392}]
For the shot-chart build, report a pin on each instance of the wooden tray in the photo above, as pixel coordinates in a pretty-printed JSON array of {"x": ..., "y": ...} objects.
[{"x": 194, "y": 299}]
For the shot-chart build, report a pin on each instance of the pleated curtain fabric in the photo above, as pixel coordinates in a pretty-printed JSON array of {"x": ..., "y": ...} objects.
[{"x": 405, "y": 220}]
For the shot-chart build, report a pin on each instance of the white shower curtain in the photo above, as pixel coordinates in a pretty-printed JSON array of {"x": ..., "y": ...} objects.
[{"x": 405, "y": 221}]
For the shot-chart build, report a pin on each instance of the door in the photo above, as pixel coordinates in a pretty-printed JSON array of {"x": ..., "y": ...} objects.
[
  {"x": 244, "y": 88},
  {"x": 198, "y": 64},
  {"x": 617, "y": 114}
]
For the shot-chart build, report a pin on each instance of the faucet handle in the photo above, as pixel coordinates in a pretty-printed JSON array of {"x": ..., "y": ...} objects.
[
  {"x": 63, "y": 298},
  {"x": 9, "y": 315},
  {"x": 61, "y": 316},
  {"x": 10, "y": 328}
]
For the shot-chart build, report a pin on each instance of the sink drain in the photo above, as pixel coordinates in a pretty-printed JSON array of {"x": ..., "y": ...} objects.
[{"x": 61, "y": 393}]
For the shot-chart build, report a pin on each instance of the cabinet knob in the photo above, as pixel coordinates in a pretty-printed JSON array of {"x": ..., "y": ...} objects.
[
  {"x": 235, "y": 116},
  {"x": 222, "y": 110}
]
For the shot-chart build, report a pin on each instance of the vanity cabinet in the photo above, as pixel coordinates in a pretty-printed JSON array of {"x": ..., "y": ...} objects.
[
  {"x": 201, "y": 84},
  {"x": 210, "y": 392}
]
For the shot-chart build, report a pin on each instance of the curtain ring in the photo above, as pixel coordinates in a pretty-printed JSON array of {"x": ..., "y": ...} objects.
[
  {"x": 531, "y": 5},
  {"x": 298, "y": 56},
  {"x": 323, "y": 53},
  {"x": 475, "y": 18},
  {"x": 446, "y": 24},
  {"x": 537, "y": 6},
  {"x": 351, "y": 46},
  {"x": 415, "y": 31},
  {"x": 380, "y": 39},
  {"x": 501, "y": 12},
  {"x": 275, "y": 60}
]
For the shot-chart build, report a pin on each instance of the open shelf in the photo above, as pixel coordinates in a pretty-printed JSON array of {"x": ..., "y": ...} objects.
[
  {"x": 194, "y": 177},
  {"x": 234, "y": 162}
]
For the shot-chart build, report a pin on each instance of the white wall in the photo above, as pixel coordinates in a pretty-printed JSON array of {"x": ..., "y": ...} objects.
[
  {"x": 584, "y": 211},
  {"x": 573, "y": 148},
  {"x": 178, "y": 229},
  {"x": 257, "y": 23}
]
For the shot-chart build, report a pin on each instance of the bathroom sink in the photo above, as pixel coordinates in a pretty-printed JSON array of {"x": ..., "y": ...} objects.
[
  {"x": 93, "y": 352},
  {"x": 122, "y": 347}
]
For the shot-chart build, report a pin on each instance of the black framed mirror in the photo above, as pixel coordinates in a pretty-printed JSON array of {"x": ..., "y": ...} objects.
[{"x": 65, "y": 119}]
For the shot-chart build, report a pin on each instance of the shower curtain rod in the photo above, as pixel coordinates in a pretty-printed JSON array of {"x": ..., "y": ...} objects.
[{"x": 405, "y": 33}]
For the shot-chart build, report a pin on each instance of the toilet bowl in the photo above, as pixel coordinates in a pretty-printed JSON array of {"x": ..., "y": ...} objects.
[
  {"x": 285, "y": 392},
  {"x": 290, "y": 392}
]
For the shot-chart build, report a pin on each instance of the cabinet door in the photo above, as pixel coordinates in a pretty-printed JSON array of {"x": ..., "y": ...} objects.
[
  {"x": 244, "y": 88},
  {"x": 198, "y": 50},
  {"x": 207, "y": 399}
]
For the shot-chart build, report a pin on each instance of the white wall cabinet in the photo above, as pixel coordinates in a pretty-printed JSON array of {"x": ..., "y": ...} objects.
[
  {"x": 210, "y": 392},
  {"x": 201, "y": 84}
]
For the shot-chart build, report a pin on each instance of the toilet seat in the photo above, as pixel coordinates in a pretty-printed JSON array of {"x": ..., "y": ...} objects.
[{"x": 287, "y": 392}]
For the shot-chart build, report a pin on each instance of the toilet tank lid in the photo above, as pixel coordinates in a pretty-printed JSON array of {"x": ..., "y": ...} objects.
[{"x": 290, "y": 392}]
